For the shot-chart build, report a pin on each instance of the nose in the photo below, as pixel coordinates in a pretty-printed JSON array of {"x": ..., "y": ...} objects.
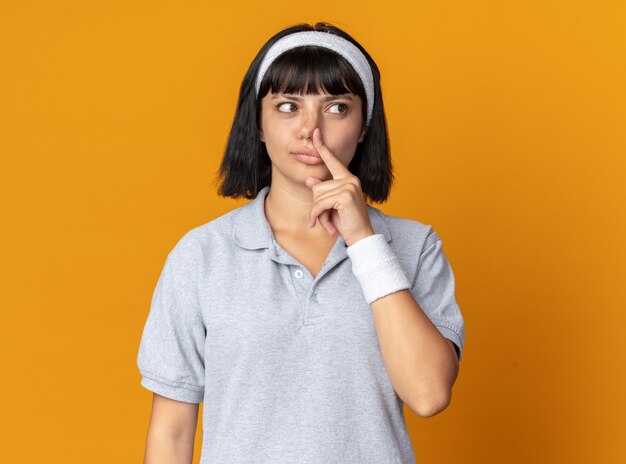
[{"x": 309, "y": 122}]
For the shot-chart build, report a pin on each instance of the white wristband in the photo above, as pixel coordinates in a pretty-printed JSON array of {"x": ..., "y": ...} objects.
[{"x": 376, "y": 267}]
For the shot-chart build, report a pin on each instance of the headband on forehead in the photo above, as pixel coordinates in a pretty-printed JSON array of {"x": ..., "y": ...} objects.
[{"x": 343, "y": 47}]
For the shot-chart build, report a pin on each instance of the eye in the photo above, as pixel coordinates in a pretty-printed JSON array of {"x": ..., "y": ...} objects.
[
  {"x": 286, "y": 107},
  {"x": 342, "y": 108}
]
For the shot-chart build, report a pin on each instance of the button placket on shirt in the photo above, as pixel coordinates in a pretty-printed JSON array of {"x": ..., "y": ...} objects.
[
  {"x": 305, "y": 287},
  {"x": 300, "y": 278},
  {"x": 303, "y": 282}
]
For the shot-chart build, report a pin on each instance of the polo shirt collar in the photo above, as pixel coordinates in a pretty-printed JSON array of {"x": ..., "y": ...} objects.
[{"x": 252, "y": 231}]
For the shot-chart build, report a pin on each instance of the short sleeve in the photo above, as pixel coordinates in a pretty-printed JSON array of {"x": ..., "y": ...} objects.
[
  {"x": 170, "y": 357},
  {"x": 434, "y": 290}
]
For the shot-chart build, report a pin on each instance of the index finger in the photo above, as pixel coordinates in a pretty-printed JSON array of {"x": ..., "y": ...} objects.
[{"x": 336, "y": 168}]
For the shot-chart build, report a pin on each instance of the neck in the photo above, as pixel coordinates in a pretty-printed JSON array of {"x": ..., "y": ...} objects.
[{"x": 287, "y": 209}]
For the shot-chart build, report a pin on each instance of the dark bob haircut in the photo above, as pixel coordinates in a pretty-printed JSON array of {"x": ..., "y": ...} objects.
[{"x": 246, "y": 167}]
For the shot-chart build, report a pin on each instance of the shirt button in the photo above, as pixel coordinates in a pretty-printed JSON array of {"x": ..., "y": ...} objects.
[{"x": 299, "y": 273}]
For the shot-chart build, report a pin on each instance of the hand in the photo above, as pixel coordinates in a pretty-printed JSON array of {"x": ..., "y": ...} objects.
[{"x": 338, "y": 204}]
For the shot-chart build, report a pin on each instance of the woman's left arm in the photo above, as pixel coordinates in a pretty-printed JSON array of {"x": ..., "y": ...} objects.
[{"x": 422, "y": 363}]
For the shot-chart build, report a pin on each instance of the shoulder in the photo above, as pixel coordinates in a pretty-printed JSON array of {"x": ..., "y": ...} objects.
[
  {"x": 202, "y": 241},
  {"x": 405, "y": 233}
]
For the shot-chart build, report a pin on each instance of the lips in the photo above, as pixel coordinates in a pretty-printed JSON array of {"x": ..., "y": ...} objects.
[
  {"x": 307, "y": 153},
  {"x": 308, "y": 157}
]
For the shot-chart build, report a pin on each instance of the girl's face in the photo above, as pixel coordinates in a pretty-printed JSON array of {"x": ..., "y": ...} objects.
[{"x": 287, "y": 124}]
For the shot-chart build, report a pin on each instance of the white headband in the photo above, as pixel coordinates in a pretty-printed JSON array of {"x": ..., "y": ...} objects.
[{"x": 345, "y": 48}]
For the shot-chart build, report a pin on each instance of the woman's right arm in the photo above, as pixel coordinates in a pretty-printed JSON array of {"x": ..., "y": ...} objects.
[{"x": 171, "y": 432}]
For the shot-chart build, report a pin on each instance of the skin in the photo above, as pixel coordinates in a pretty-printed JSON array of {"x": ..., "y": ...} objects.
[
  {"x": 171, "y": 432},
  {"x": 287, "y": 125}
]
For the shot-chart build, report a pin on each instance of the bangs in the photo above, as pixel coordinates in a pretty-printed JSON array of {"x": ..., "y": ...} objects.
[{"x": 311, "y": 70}]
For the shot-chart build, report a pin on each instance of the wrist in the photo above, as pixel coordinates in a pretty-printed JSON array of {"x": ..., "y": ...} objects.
[
  {"x": 354, "y": 240},
  {"x": 376, "y": 267}
]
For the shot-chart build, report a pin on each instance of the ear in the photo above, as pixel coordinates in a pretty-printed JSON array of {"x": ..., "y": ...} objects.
[
  {"x": 362, "y": 136},
  {"x": 261, "y": 136}
]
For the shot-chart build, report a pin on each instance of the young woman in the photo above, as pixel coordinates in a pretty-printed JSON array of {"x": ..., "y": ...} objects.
[{"x": 306, "y": 318}]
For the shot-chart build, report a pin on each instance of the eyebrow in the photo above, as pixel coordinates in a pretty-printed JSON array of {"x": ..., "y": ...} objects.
[{"x": 295, "y": 97}]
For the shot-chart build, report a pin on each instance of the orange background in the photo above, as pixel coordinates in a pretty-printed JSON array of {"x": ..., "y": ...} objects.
[{"x": 507, "y": 125}]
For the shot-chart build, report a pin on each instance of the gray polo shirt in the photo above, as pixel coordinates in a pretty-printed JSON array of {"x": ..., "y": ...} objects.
[{"x": 288, "y": 366}]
